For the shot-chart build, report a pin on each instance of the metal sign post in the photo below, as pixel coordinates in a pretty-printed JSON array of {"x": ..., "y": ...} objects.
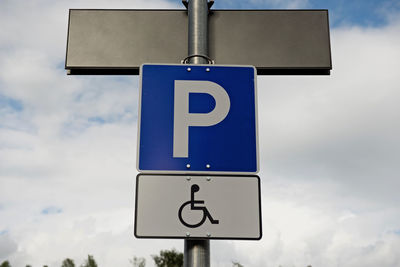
[{"x": 197, "y": 252}]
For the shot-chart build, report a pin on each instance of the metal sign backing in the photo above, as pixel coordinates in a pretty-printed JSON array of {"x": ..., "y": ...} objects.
[{"x": 274, "y": 41}]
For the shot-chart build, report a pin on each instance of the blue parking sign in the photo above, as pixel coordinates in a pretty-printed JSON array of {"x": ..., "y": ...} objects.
[{"x": 197, "y": 118}]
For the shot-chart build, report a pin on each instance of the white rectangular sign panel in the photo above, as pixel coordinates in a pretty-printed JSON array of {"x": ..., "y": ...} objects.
[{"x": 198, "y": 206}]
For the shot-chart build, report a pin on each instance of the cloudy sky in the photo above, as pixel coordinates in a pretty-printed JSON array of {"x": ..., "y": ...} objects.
[{"x": 330, "y": 147}]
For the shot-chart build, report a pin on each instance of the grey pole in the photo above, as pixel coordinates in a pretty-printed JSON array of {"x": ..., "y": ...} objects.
[
  {"x": 198, "y": 30},
  {"x": 197, "y": 252}
]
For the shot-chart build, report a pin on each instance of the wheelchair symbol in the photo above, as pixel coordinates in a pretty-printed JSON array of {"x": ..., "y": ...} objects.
[{"x": 206, "y": 214}]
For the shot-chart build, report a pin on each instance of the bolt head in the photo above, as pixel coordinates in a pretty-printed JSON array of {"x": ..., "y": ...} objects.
[
  {"x": 208, "y": 178},
  {"x": 188, "y": 166},
  {"x": 189, "y": 69},
  {"x": 187, "y": 234},
  {"x": 208, "y": 166},
  {"x": 208, "y": 234},
  {"x": 207, "y": 69},
  {"x": 188, "y": 178}
]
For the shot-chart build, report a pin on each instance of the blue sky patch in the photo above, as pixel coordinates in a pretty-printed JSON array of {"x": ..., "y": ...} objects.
[
  {"x": 97, "y": 120},
  {"x": 51, "y": 210},
  {"x": 10, "y": 103},
  {"x": 111, "y": 118},
  {"x": 364, "y": 13}
]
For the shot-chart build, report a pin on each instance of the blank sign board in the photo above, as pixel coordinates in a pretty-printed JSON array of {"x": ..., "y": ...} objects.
[
  {"x": 195, "y": 206},
  {"x": 274, "y": 41}
]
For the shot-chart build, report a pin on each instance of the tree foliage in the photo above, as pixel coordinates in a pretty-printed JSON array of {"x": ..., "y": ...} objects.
[
  {"x": 236, "y": 264},
  {"x": 168, "y": 258},
  {"x": 90, "y": 262},
  {"x": 68, "y": 263},
  {"x": 5, "y": 264},
  {"x": 138, "y": 262}
]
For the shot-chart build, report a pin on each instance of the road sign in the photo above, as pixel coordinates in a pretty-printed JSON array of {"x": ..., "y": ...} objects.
[
  {"x": 197, "y": 118},
  {"x": 274, "y": 41},
  {"x": 187, "y": 206},
  {"x": 199, "y": 114}
]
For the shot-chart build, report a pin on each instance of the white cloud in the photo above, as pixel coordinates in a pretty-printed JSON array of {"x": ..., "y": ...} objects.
[
  {"x": 7, "y": 245},
  {"x": 342, "y": 126},
  {"x": 330, "y": 158}
]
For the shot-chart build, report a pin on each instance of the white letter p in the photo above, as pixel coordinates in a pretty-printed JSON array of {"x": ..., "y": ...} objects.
[{"x": 183, "y": 119}]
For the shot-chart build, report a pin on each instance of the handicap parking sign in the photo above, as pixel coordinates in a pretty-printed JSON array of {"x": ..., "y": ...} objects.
[
  {"x": 192, "y": 206},
  {"x": 197, "y": 118}
]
